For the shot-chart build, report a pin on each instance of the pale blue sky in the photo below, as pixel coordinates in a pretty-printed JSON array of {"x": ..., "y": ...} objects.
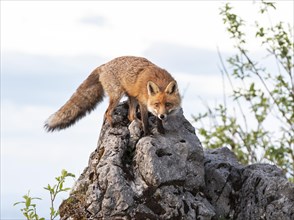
[{"x": 49, "y": 48}]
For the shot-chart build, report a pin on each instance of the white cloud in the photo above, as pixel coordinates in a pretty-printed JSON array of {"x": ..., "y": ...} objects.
[
  {"x": 55, "y": 28},
  {"x": 95, "y": 20}
]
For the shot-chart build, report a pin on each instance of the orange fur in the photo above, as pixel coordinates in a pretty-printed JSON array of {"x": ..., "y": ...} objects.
[{"x": 131, "y": 76}]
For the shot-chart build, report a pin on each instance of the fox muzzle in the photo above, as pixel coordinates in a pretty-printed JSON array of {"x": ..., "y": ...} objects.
[{"x": 162, "y": 116}]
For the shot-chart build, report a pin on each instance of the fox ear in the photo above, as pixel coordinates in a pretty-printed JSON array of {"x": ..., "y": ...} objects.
[
  {"x": 152, "y": 88},
  {"x": 171, "y": 88}
]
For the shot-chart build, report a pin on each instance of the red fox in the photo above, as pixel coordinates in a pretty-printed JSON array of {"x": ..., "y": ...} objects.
[{"x": 144, "y": 83}]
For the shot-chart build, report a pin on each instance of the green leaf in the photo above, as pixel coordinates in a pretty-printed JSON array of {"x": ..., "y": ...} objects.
[
  {"x": 60, "y": 186},
  {"x": 17, "y": 203},
  {"x": 28, "y": 202}
]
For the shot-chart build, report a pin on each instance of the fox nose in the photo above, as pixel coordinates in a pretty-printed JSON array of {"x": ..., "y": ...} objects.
[{"x": 162, "y": 117}]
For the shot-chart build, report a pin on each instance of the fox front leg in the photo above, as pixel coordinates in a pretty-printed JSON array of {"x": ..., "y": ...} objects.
[
  {"x": 132, "y": 109},
  {"x": 144, "y": 119},
  {"x": 160, "y": 127}
]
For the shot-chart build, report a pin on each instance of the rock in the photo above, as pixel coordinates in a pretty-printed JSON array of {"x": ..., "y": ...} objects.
[
  {"x": 258, "y": 191},
  {"x": 168, "y": 176},
  {"x": 265, "y": 194},
  {"x": 222, "y": 173}
]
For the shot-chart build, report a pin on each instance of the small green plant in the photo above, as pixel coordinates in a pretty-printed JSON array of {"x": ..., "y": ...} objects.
[
  {"x": 56, "y": 189},
  {"x": 30, "y": 210}
]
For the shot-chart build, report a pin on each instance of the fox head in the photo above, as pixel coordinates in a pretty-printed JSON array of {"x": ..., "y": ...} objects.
[{"x": 163, "y": 103}]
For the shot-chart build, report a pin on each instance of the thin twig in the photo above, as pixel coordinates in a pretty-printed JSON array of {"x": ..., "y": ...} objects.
[
  {"x": 263, "y": 83},
  {"x": 232, "y": 86}
]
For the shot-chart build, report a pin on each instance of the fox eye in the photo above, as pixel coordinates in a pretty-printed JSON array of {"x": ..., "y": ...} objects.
[
  {"x": 156, "y": 104},
  {"x": 168, "y": 104}
]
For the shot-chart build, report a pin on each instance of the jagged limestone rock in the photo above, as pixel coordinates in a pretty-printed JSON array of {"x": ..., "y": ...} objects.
[
  {"x": 167, "y": 176},
  {"x": 258, "y": 191},
  {"x": 154, "y": 177}
]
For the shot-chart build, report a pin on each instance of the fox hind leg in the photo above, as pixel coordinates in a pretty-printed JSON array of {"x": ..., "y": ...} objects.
[{"x": 113, "y": 102}]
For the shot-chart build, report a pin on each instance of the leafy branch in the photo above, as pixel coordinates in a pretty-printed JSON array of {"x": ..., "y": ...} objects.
[
  {"x": 56, "y": 189},
  {"x": 273, "y": 99}
]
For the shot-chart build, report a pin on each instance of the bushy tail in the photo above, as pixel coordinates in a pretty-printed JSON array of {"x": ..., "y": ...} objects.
[{"x": 83, "y": 101}]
